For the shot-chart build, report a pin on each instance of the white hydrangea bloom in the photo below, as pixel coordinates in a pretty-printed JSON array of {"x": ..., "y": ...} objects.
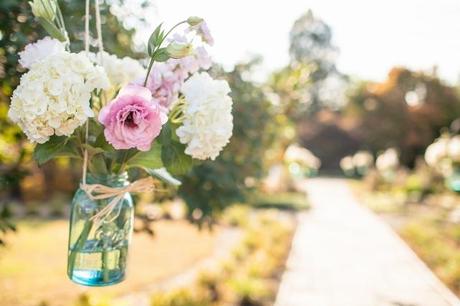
[
  {"x": 121, "y": 71},
  {"x": 454, "y": 148},
  {"x": 39, "y": 51},
  {"x": 208, "y": 120},
  {"x": 53, "y": 98}
]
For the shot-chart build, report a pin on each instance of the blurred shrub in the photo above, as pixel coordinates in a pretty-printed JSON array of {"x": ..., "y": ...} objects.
[
  {"x": 282, "y": 200},
  {"x": 249, "y": 291},
  {"x": 181, "y": 297},
  {"x": 236, "y": 215},
  {"x": 436, "y": 243},
  {"x": 213, "y": 185}
]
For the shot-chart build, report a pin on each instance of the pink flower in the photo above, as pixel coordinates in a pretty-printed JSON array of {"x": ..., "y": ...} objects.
[
  {"x": 203, "y": 31},
  {"x": 133, "y": 119},
  {"x": 166, "y": 79},
  {"x": 205, "y": 34}
]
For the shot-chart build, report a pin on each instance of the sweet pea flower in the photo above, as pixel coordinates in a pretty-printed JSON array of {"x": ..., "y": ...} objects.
[
  {"x": 133, "y": 119},
  {"x": 164, "y": 83},
  {"x": 204, "y": 33}
]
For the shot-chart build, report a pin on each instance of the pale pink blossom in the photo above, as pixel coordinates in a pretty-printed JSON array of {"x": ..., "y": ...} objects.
[{"x": 133, "y": 119}]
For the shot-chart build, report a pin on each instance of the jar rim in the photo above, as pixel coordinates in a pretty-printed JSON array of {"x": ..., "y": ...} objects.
[{"x": 110, "y": 179}]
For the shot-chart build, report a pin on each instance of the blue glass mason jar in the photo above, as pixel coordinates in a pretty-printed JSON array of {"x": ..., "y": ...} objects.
[
  {"x": 98, "y": 250},
  {"x": 453, "y": 180}
]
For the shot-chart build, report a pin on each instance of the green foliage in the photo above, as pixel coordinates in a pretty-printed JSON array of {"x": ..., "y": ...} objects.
[
  {"x": 57, "y": 146},
  {"x": 285, "y": 201},
  {"x": 155, "y": 40},
  {"x": 150, "y": 159},
  {"x": 172, "y": 153},
  {"x": 5, "y": 224}
]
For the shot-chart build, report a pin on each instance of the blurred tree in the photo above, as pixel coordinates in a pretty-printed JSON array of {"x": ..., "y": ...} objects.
[
  {"x": 213, "y": 185},
  {"x": 407, "y": 111},
  {"x": 304, "y": 86}
]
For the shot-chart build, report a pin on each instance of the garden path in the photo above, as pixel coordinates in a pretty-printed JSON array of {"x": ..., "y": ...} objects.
[{"x": 344, "y": 255}]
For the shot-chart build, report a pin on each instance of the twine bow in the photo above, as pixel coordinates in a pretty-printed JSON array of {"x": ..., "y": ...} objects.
[{"x": 101, "y": 192}]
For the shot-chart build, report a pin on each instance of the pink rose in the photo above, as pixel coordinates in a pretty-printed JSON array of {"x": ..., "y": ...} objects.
[{"x": 133, "y": 119}]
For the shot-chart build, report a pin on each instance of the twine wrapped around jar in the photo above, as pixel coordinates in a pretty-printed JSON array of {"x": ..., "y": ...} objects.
[{"x": 100, "y": 192}]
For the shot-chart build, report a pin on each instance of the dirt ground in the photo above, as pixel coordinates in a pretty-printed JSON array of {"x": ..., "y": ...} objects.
[{"x": 33, "y": 264}]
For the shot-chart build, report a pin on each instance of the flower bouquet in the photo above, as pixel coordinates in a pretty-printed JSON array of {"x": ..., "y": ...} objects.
[{"x": 114, "y": 115}]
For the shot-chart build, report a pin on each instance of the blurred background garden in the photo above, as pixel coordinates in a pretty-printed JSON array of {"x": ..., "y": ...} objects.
[{"x": 368, "y": 94}]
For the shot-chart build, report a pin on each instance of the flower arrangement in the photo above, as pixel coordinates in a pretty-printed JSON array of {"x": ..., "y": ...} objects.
[{"x": 116, "y": 115}]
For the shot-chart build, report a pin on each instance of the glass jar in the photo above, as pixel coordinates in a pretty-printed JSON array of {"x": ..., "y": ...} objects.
[
  {"x": 453, "y": 180},
  {"x": 98, "y": 250}
]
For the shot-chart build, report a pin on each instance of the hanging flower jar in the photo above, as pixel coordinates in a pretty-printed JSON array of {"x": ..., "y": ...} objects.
[
  {"x": 99, "y": 238},
  {"x": 92, "y": 107}
]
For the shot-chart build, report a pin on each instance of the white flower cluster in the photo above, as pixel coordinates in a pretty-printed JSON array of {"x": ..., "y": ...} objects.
[
  {"x": 443, "y": 154},
  {"x": 208, "y": 120},
  {"x": 388, "y": 160},
  {"x": 40, "y": 50},
  {"x": 437, "y": 151},
  {"x": 121, "y": 71},
  {"x": 296, "y": 154},
  {"x": 53, "y": 98}
]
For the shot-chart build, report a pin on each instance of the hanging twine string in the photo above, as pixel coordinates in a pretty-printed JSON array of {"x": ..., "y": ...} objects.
[
  {"x": 85, "y": 154},
  {"x": 98, "y": 191}
]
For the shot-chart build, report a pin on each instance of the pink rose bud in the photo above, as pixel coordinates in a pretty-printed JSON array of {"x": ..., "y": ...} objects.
[{"x": 133, "y": 119}]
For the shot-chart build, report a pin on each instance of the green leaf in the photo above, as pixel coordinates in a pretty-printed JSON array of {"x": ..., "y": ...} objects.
[
  {"x": 175, "y": 160},
  {"x": 149, "y": 159},
  {"x": 165, "y": 135},
  {"x": 163, "y": 175},
  {"x": 102, "y": 143},
  {"x": 97, "y": 165},
  {"x": 54, "y": 147},
  {"x": 172, "y": 152},
  {"x": 161, "y": 55},
  {"x": 92, "y": 150},
  {"x": 52, "y": 30},
  {"x": 155, "y": 39}
]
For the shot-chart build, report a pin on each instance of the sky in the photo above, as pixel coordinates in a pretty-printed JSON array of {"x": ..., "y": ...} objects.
[{"x": 372, "y": 36}]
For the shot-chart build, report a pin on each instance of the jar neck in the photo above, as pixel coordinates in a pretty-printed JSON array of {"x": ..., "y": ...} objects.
[{"x": 110, "y": 180}]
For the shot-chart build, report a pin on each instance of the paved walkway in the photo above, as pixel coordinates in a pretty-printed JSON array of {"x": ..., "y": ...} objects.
[{"x": 343, "y": 255}]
